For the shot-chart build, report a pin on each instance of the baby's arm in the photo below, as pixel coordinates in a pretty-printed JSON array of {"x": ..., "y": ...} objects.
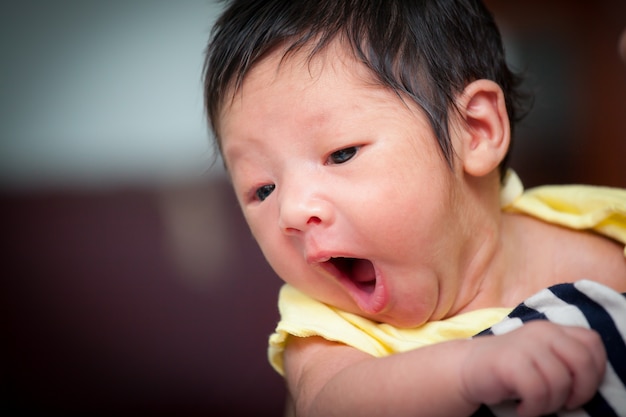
[{"x": 545, "y": 366}]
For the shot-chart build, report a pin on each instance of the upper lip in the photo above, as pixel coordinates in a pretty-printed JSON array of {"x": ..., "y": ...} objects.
[
  {"x": 331, "y": 267},
  {"x": 320, "y": 258},
  {"x": 324, "y": 262}
]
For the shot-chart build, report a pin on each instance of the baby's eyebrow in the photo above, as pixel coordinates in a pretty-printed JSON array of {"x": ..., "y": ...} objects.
[
  {"x": 231, "y": 152},
  {"x": 239, "y": 156}
]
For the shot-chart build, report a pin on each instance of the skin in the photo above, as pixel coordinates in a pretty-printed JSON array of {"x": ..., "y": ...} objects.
[{"x": 326, "y": 164}]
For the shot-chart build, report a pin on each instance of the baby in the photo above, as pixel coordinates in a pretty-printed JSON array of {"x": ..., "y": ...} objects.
[{"x": 367, "y": 144}]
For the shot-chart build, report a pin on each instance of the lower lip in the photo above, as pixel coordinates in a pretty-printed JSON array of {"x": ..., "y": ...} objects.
[{"x": 370, "y": 302}]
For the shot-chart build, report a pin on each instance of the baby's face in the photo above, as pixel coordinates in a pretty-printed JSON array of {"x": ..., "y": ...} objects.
[{"x": 344, "y": 188}]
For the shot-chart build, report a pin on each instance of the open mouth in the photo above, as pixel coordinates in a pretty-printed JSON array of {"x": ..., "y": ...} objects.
[
  {"x": 361, "y": 280},
  {"x": 359, "y": 271}
]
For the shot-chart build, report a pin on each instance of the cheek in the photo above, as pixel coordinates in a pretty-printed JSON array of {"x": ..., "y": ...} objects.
[
  {"x": 261, "y": 227},
  {"x": 276, "y": 254},
  {"x": 273, "y": 244},
  {"x": 416, "y": 215},
  {"x": 264, "y": 239}
]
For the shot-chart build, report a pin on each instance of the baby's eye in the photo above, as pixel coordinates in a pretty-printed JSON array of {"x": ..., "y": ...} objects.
[
  {"x": 343, "y": 155},
  {"x": 264, "y": 191}
]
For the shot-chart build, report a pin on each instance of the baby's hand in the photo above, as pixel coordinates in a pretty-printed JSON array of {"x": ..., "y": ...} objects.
[{"x": 545, "y": 366}]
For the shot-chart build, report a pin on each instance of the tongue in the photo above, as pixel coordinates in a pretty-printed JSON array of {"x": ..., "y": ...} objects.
[{"x": 362, "y": 271}]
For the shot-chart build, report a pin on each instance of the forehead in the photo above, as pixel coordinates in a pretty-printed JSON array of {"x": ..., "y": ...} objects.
[
  {"x": 309, "y": 89},
  {"x": 302, "y": 67}
]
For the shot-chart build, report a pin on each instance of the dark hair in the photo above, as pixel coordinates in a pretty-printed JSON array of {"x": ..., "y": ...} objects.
[{"x": 427, "y": 50}]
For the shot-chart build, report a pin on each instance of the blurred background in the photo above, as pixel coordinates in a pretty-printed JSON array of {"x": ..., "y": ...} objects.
[{"x": 130, "y": 284}]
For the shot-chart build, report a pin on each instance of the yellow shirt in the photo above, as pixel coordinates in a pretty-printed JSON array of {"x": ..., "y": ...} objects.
[{"x": 601, "y": 209}]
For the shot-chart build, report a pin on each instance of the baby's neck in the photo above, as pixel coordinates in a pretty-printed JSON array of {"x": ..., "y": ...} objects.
[{"x": 532, "y": 255}]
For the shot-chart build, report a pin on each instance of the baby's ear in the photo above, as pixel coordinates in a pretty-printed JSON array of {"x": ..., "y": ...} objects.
[{"x": 484, "y": 131}]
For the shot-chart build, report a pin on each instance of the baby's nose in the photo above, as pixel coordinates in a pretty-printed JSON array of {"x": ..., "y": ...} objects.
[{"x": 301, "y": 209}]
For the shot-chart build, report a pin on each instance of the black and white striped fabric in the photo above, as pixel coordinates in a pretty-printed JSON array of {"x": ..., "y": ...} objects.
[{"x": 586, "y": 304}]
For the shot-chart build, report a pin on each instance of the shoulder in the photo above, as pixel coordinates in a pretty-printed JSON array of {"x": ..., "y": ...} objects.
[
  {"x": 578, "y": 230},
  {"x": 569, "y": 255}
]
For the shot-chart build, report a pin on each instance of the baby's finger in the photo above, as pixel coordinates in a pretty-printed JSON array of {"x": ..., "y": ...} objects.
[
  {"x": 552, "y": 389},
  {"x": 584, "y": 354}
]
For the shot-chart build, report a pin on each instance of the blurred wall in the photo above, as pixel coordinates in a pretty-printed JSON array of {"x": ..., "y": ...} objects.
[
  {"x": 102, "y": 92},
  {"x": 134, "y": 301},
  {"x": 130, "y": 283},
  {"x": 569, "y": 54}
]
